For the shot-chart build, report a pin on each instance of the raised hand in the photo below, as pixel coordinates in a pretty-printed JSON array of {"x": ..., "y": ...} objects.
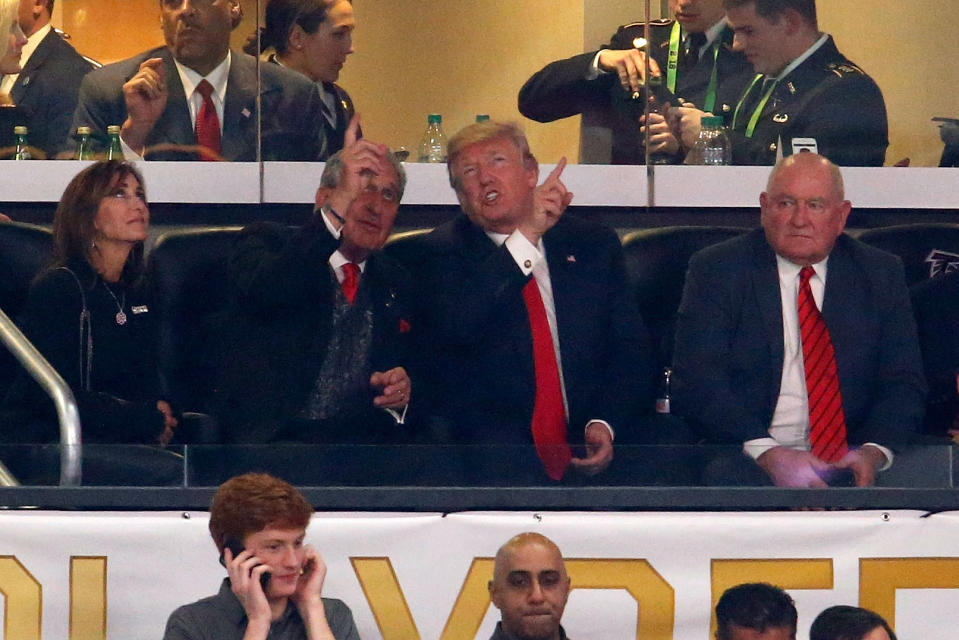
[{"x": 145, "y": 95}]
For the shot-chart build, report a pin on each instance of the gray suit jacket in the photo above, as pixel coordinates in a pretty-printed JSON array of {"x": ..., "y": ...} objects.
[
  {"x": 729, "y": 342},
  {"x": 291, "y": 129}
]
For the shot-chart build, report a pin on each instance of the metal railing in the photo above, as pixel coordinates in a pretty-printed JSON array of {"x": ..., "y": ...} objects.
[{"x": 59, "y": 391}]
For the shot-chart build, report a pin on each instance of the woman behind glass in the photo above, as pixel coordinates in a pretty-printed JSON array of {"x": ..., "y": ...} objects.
[
  {"x": 314, "y": 37},
  {"x": 88, "y": 314}
]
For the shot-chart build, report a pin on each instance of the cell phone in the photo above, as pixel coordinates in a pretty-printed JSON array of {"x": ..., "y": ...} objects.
[
  {"x": 838, "y": 477},
  {"x": 236, "y": 548}
]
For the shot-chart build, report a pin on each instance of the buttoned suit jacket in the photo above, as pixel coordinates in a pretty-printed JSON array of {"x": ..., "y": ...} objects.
[
  {"x": 291, "y": 128},
  {"x": 728, "y": 358},
  {"x": 827, "y": 98},
  {"x": 281, "y": 327},
  {"x": 478, "y": 335},
  {"x": 561, "y": 90},
  {"x": 46, "y": 91}
]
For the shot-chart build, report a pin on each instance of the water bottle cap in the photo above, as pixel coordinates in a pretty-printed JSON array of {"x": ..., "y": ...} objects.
[
  {"x": 712, "y": 121},
  {"x": 482, "y": 117},
  {"x": 83, "y": 131},
  {"x": 113, "y": 129},
  {"x": 19, "y": 130},
  {"x": 435, "y": 118}
]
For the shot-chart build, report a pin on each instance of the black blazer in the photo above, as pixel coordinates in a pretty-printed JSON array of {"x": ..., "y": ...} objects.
[
  {"x": 281, "y": 326},
  {"x": 477, "y": 336},
  {"x": 561, "y": 89},
  {"x": 728, "y": 358},
  {"x": 290, "y": 122},
  {"x": 46, "y": 92}
]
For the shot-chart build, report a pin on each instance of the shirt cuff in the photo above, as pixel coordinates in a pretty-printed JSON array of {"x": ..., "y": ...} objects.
[
  {"x": 759, "y": 446},
  {"x": 612, "y": 434},
  {"x": 594, "y": 70},
  {"x": 886, "y": 452},
  {"x": 524, "y": 252},
  {"x": 128, "y": 152},
  {"x": 333, "y": 231},
  {"x": 399, "y": 417}
]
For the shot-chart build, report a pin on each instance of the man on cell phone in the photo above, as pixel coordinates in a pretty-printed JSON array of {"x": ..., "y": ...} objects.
[{"x": 258, "y": 523}]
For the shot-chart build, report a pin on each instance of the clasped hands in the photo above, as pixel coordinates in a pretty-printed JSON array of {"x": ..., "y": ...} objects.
[{"x": 801, "y": 469}]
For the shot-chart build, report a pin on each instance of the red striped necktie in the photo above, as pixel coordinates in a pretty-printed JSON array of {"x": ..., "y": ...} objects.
[
  {"x": 549, "y": 416},
  {"x": 827, "y": 422},
  {"x": 207, "y": 129}
]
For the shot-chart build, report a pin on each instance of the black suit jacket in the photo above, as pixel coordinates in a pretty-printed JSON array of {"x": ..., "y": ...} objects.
[
  {"x": 478, "y": 336},
  {"x": 561, "y": 89},
  {"x": 46, "y": 92},
  {"x": 728, "y": 358},
  {"x": 935, "y": 302},
  {"x": 282, "y": 324},
  {"x": 828, "y": 98},
  {"x": 291, "y": 128}
]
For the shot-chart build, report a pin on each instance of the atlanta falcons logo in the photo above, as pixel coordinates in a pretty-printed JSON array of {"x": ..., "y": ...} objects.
[{"x": 942, "y": 262}]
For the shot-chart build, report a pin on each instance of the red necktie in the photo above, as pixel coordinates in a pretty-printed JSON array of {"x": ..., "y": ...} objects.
[
  {"x": 827, "y": 422},
  {"x": 207, "y": 128},
  {"x": 351, "y": 280},
  {"x": 549, "y": 417}
]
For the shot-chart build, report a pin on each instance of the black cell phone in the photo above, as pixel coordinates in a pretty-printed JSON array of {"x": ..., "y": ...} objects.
[
  {"x": 839, "y": 477},
  {"x": 236, "y": 548}
]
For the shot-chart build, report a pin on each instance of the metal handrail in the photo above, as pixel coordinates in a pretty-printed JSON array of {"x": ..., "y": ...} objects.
[{"x": 59, "y": 391}]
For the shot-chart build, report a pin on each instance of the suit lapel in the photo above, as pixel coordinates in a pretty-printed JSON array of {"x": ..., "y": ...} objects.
[
  {"x": 36, "y": 61},
  {"x": 239, "y": 108},
  {"x": 765, "y": 285}
]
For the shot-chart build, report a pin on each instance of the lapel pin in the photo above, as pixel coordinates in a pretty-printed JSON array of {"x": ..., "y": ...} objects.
[
  {"x": 571, "y": 258},
  {"x": 245, "y": 113}
]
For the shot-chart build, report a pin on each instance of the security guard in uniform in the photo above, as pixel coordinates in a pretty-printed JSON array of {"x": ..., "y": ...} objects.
[
  {"x": 692, "y": 53},
  {"x": 805, "y": 95}
]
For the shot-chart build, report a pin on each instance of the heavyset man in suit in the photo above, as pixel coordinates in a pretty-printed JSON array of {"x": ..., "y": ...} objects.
[
  {"x": 741, "y": 366},
  {"x": 45, "y": 91},
  {"x": 195, "y": 98},
  {"x": 494, "y": 278},
  {"x": 705, "y": 71}
]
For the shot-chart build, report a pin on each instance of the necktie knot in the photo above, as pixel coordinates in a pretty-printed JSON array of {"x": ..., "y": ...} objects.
[
  {"x": 805, "y": 274},
  {"x": 205, "y": 89},
  {"x": 351, "y": 280}
]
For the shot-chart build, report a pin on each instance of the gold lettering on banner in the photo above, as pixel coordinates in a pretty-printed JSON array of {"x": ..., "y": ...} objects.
[
  {"x": 880, "y": 577},
  {"x": 88, "y": 598},
  {"x": 383, "y": 592},
  {"x": 787, "y": 573},
  {"x": 654, "y": 596},
  {"x": 23, "y": 597}
]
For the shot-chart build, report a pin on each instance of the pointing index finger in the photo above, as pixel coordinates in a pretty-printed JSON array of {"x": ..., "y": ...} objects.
[
  {"x": 352, "y": 129},
  {"x": 557, "y": 171}
]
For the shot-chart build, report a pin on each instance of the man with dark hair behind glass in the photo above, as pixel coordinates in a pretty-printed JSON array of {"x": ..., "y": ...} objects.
[
  {"x": 805, "y": 96},
  {"x": 692, "y": 53},
  {"x": 843, "y": 622},
  {"x": 195, "y": 99},
  {"x": 45, "y": 91},
  {"x": 755, "y": 611}
]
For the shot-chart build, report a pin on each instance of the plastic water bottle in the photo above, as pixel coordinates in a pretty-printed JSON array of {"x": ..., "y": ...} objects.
[
  {"x": 433, "y": 143},
  {"x": 84, "y": 144},
  {"x": 115, "y": 150},
  {"x": 712, "y": 146},
  {"x": 23, "y": 149},
  {"x": 655, "y": 104}
]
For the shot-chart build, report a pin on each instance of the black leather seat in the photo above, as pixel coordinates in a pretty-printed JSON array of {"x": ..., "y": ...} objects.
[
  {"x": 656, "y": 262},
  {"x": 926, "y": 249},
  {"x": 188, "y": 272},
  {"x": 24, "y": 250}
]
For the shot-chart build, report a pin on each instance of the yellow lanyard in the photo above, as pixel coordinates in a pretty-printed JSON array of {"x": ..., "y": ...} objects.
[
  {"x": 672, "y": 67},
  {"x": 751, "y": 126}
]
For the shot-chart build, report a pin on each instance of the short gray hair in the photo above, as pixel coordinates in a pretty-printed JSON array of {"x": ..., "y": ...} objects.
[{"x": 333, "y": 170}]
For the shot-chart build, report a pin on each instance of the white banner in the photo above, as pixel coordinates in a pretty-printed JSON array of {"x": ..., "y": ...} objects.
[{"x": 88, "y": 576}]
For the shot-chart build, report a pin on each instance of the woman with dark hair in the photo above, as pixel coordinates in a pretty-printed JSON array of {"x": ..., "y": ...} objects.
[
  {"x": 314, "y": 37},
  {"x": 843, "y": 622},
  {"x": 89, "y": 316}
]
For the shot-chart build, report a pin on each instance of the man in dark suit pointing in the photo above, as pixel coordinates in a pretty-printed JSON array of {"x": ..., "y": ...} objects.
[
  {"x": 798, "y": 342},
  {"x": 530, "y": 323}
]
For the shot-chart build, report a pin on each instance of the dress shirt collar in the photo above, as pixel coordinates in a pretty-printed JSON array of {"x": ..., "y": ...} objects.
[
  {"x": 337, "y": 260},
  {"x": 714, "y": 32},
  {"x": 218, "y": 77},
  {"x": 789, "y": 271},
  {"x": 802, "y": 58},
  {"x": 500, "y": 238}
]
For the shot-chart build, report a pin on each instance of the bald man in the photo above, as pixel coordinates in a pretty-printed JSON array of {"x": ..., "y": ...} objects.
[
  {"x": 741, "y": 356},
  {"x": 529, "y": 587}
]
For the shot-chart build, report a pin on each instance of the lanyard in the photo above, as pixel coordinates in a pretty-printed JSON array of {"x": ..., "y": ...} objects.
[
  {"x": 673, "y": 61},
  {"x": 751, "y": 126},
  {"x": 672, "y": 66}
]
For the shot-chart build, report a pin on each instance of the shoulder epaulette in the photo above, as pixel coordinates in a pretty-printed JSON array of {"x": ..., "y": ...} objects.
[{"x": 844, "y": 68}]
